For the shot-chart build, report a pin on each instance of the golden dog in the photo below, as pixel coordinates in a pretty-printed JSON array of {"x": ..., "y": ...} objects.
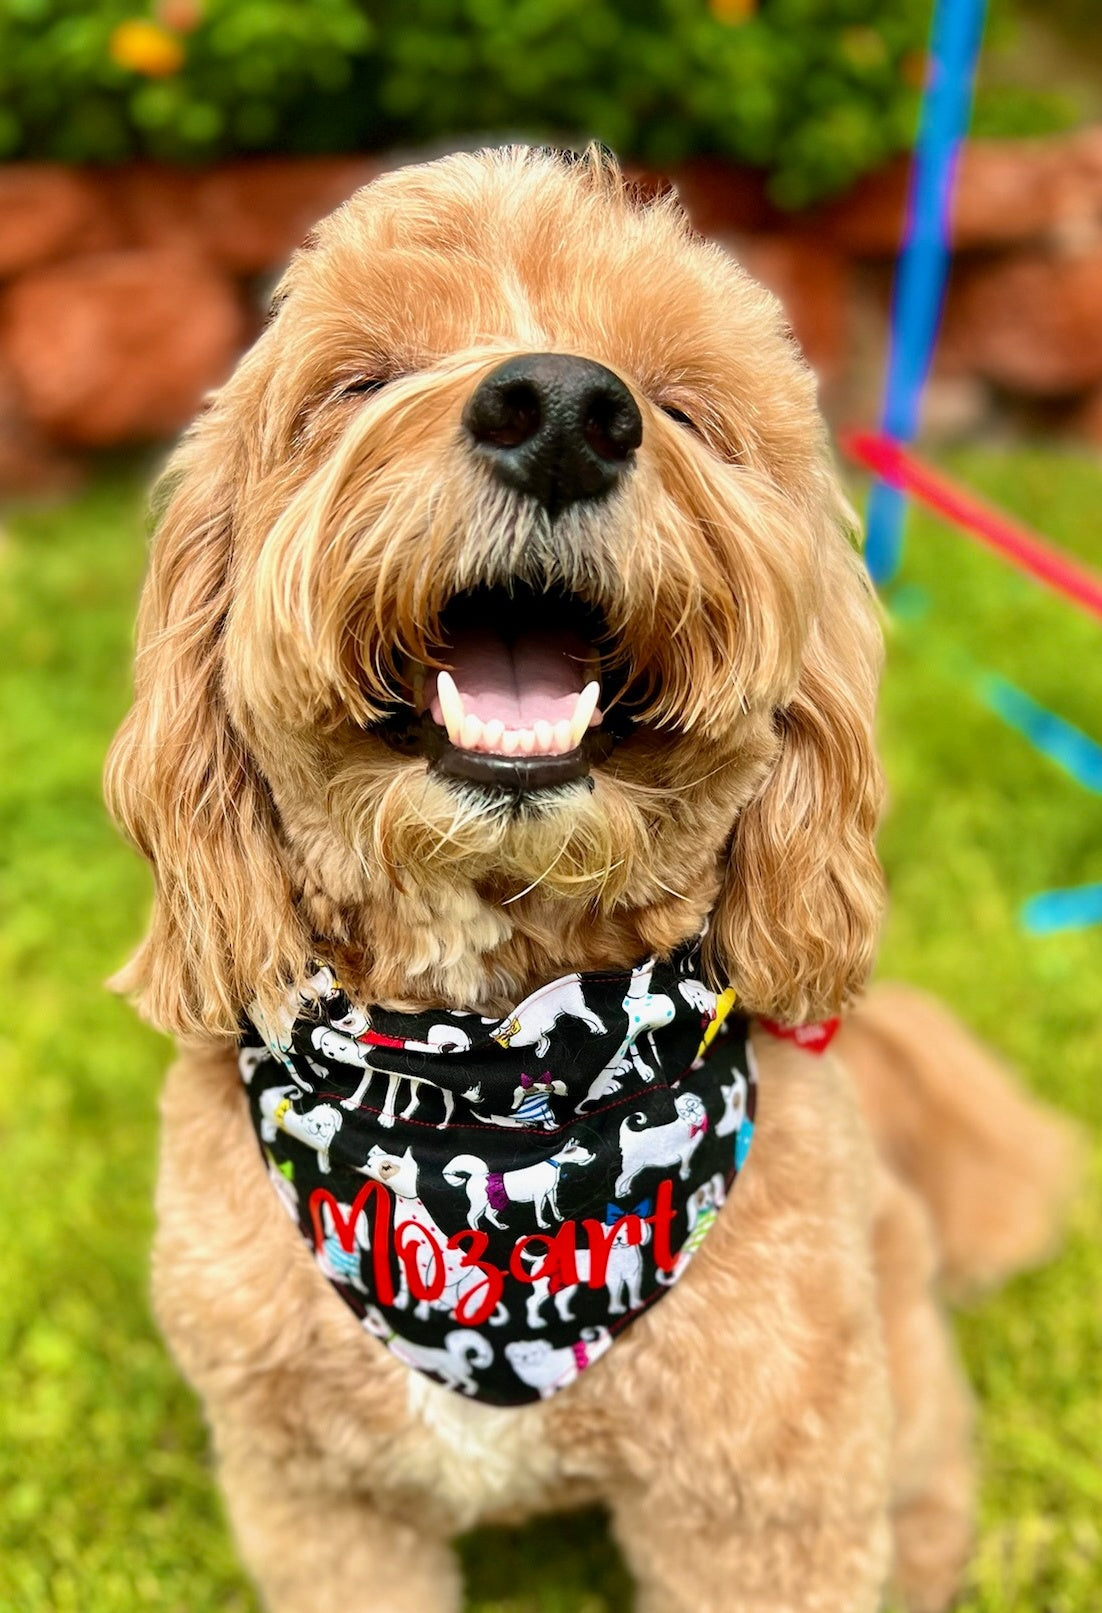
[{"x": 503, "y": 408}]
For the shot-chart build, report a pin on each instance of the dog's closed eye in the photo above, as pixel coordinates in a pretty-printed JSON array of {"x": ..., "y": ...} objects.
[
  {"x": 361, "y": 386},
  {"x": 681, "y": 417}
]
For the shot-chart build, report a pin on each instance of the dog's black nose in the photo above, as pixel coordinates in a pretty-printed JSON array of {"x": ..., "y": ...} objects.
[{"x": 555, "y": 427}]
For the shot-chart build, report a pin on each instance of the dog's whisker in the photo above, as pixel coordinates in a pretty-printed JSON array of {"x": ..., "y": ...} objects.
[{"x": 540, "y": 878}]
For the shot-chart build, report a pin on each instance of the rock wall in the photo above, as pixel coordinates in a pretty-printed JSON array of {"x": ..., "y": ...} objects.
[{"x": 126, "y": 293}]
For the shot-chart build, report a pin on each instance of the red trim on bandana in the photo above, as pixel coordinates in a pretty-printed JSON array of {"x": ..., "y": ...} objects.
[
  {"x": 377, "y": 1039},
  {"x": 811, "y": 1038}
]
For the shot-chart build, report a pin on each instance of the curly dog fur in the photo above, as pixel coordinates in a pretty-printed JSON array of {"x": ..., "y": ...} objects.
[{"x": 789, "y": 1427}]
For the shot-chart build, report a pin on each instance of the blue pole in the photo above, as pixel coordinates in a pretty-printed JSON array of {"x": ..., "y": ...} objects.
[{"x": 955, "y": 37}]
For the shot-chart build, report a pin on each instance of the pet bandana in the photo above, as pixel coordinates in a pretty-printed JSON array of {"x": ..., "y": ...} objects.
[{"x": 496, "y": 1199}]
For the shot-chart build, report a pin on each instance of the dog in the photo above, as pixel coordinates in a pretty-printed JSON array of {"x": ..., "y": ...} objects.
[
  {"x": 490, "y": 1194},
  {"x": 452, "y": 1365},
  {"x": 430, "y": 1252},
  {"x": 646, "y": 1011},
  {"x": 672, "y": 1144},
  {"x": 537, "y": 1362},
  {"x": 504, "y": 619},
  {"x": 534, "y": 1030},
  {"x": 623, "y": 1275},
  {"x": 317, "y": 1128}
]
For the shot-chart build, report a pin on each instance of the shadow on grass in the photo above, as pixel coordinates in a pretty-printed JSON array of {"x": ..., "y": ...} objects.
[{"x": 564, "y": 1564}]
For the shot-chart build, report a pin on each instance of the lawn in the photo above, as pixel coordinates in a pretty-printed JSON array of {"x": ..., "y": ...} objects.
[{"x": 106, "y": 1501}]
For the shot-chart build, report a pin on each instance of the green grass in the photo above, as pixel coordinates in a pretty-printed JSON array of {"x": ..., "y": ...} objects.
[{"x": 107, "y": 1504}]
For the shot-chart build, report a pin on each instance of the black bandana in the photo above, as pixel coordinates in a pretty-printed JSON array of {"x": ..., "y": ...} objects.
[{"x": 497, "y": 1199}]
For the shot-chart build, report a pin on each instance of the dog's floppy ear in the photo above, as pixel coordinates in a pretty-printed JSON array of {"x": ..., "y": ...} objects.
[
  {"x": 796, "y": 924},
  {"x": 179, "y": 780}
]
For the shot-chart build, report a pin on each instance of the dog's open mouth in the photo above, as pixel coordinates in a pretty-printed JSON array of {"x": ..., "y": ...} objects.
[{"x": 522, "y": 703}]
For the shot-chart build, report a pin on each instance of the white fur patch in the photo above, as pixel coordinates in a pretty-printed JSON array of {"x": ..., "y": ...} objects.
[{"x": 490, "y": 1457}]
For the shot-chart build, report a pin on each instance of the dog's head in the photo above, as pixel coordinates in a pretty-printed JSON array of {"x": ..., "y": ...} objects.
[{"x": 503, "y": 618}]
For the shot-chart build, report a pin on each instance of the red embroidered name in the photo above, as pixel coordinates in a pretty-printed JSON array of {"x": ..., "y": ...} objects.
[{"x": 424, "y": 1259}]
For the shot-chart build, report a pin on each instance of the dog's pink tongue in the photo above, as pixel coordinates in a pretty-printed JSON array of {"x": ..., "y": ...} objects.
[{"x": 536, "y": 678}]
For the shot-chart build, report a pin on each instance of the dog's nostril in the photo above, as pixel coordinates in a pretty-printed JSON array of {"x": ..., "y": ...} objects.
[
  {"x": 612, "y": 429},
  {"x": 505, "y": 416}
]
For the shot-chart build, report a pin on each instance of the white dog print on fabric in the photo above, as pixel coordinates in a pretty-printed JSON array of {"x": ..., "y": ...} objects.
[
  {"x": 538, "y": 1364},
  {"x": 532, "y": 1021},
  {"x": 647, "y": 1012},
  {"x": 249, "y": 1060},
  {"x": 464, "y": 1351},
  {"x": 699, "y": 996},
  {"x": 344, "y": 1049},
  {"x": 399, "y": 1173},
  {"x": 654, "y": 1146},
  {"x": 734, "y": 1105},
  {"x": 316, "y": 1128},
  {"x": 339, "y": 1264},
  {"x": 531, "y": 1103},
  {"x": 490, "y": 1192},
  {"x": 702, "y": 1209},
  {"x": 623, "y": 1279}
]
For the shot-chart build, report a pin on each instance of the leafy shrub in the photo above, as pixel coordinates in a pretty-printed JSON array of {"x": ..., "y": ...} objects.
[
  {"x": 815, "y": 91},
  {"x": 255, "y": 75}
]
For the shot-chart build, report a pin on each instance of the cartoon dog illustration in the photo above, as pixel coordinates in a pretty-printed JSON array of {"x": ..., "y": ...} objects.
[
  {"x": 703, "y": 1208},
  {"x": 249, "y": 1060},
  {"x": 335, "y": 1044},
  {"x": 464, "y": 1351},
  {"x": 531, "y": 1103},
  {"x": 623, "y": 1279},
  {"x": 698, "y": 996},
  {"x": 647, "y": 1012},
  {"x": 334, "y": 1261},
  {"x": 537, "y": 1363},
  {"x": 490, "y": 1192},
  {"x": 531, "y": 1023},
  {"x": 734, "y": 1104},
  {"x": 399, "y": 1172},
  {"x": 675, "y": 1143},
  {"x": 316, "y": 1128}
]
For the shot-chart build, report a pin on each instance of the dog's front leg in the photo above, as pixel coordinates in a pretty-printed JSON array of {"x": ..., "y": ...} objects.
[
  {"x": 758, "y": 1479},
  {"x": 307, "y": 1411},
  {"x": 311, "y": 1550}
]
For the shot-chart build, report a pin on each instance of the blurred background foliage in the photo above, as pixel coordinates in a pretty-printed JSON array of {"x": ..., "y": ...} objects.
[{"x": 815, "y": 92}]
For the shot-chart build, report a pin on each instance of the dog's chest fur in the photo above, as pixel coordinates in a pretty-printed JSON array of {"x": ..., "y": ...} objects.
[{"x": 485, "y": 1460}]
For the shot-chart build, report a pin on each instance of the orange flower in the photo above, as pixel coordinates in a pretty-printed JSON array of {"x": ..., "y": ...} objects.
[
  {"x": 147, "y": 48},
  {"x": 732, "y": 11}
]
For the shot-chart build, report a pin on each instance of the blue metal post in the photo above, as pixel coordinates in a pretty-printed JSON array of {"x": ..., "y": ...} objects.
[{"x": 956, "y": 33}]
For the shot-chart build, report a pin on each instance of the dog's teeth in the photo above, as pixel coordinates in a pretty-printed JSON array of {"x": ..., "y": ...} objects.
[
  {"x": 545, "y": 736},
  {"x": 492, "y": 735},
  {"x": 585, "y": 710},
  {"x": 527, "y": 741},
  {"x": 451, "y": 705},
  {"x": 510, "y": 741},
  {"x": 470, "y": 735},
  {"x": 564, "y": 736}
]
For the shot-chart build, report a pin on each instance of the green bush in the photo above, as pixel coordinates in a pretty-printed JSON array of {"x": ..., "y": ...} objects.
[{"x": 815, "y": 91}]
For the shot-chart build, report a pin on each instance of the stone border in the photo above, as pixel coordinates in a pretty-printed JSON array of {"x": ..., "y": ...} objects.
[{"x": 126, "y": 293}]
